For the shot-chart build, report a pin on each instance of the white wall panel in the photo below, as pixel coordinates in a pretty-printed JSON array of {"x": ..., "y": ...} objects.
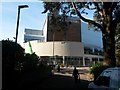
[{"x": 60, "y": 48}]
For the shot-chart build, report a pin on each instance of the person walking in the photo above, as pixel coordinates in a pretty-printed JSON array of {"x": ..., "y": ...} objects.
[
  {"x": 58, "y": 67},
  {"x": 75, "y": 75}
]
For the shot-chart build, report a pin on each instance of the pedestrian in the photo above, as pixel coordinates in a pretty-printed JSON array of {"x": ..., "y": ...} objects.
[
  {"x": 75, "y": 75},
  {"x": 58, "y": 68}
]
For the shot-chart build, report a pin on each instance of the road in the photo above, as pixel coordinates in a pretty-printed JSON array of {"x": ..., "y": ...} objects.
[{"x": 62, "y": 79}]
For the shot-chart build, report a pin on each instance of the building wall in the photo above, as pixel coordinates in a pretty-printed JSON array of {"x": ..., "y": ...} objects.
[
  {"x": 72, "y": 48},
  {"x": 32, "y": 37},
  {"x": 45, "y": 29},
  {"x": 64, "y": 52},
  {"x": 73, "y": 31},
  {"x": 32, "y": 34},
  {"x": 60, "y": 48},
  {"x": 91, "y": 37}
]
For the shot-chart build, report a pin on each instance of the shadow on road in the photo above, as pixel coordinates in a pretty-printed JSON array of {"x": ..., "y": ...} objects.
[{"x": 57, "y": 82}]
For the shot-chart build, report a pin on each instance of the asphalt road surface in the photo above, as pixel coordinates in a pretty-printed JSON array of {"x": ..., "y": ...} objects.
[{"x": 58, "y": 81}]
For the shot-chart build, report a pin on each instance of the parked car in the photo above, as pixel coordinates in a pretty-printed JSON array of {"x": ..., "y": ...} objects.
[{"x": 109, "y": 79}]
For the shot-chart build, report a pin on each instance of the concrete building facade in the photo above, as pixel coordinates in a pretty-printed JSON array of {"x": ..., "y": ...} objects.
[{"x": 71, "y": 48}]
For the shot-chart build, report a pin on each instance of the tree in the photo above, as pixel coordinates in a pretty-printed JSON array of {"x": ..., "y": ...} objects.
[
  {"x": 106, "y": 17},
  {"x": 30, "y": 62},
  {"x": 117, "y": 44},
  {"x": 117, "y": 36},
  {"x": 12, "y": 54}
]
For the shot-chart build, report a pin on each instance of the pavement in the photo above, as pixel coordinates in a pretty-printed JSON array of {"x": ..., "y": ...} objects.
[{"x": 83, "y": 72}]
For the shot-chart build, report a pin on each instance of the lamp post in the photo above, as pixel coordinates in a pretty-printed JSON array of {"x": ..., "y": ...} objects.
[
  {"x": 19, "y": 7},
  {"x": 53, "y": 46}
]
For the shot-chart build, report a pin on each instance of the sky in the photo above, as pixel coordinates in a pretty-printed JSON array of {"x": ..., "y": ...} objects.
[{"x": 30, "y": 18}]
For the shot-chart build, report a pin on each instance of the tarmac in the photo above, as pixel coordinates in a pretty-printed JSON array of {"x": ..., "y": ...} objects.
[{"x": 64, "y": 80}]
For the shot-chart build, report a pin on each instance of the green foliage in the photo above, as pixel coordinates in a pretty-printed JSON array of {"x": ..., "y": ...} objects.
[
  {"x": 117, "y": 44},
  {"x": 12, "y": 56},
  {"x": 117, "y": 36},
  {"x": 17, "y": 66},
  {"x": 30, "y": 62},
  {"x": 12, "y": 53},
  {"x": 33, "y": 63},
  {"x": 97, "y": 69}
]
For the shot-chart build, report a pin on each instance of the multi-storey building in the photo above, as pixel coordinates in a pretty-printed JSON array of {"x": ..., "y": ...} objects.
[
  {"x": 74, "y": 46},
  {"x": 32, "y": 34}
]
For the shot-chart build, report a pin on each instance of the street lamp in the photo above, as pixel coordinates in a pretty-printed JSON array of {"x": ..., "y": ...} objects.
[{"x": 19, "y": 7}]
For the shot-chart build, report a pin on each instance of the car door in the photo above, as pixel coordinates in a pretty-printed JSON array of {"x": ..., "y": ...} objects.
[
  {"x": 115, "y": 79},
  {"x": 103, "y": 81}
]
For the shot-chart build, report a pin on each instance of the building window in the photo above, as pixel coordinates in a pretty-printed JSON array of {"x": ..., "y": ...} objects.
[
  {"x": 87, "y": 62},
  {"x": 96, "y": 52},
  {"x": 100, "y": 59},
  {"x": 88, "y": 50},
  {"x": 94, "y": 60},
  {"x": 73, "y": 61}
]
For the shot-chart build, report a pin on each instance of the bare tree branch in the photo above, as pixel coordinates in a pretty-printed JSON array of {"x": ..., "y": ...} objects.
[{"x": 86, "y": 20}]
